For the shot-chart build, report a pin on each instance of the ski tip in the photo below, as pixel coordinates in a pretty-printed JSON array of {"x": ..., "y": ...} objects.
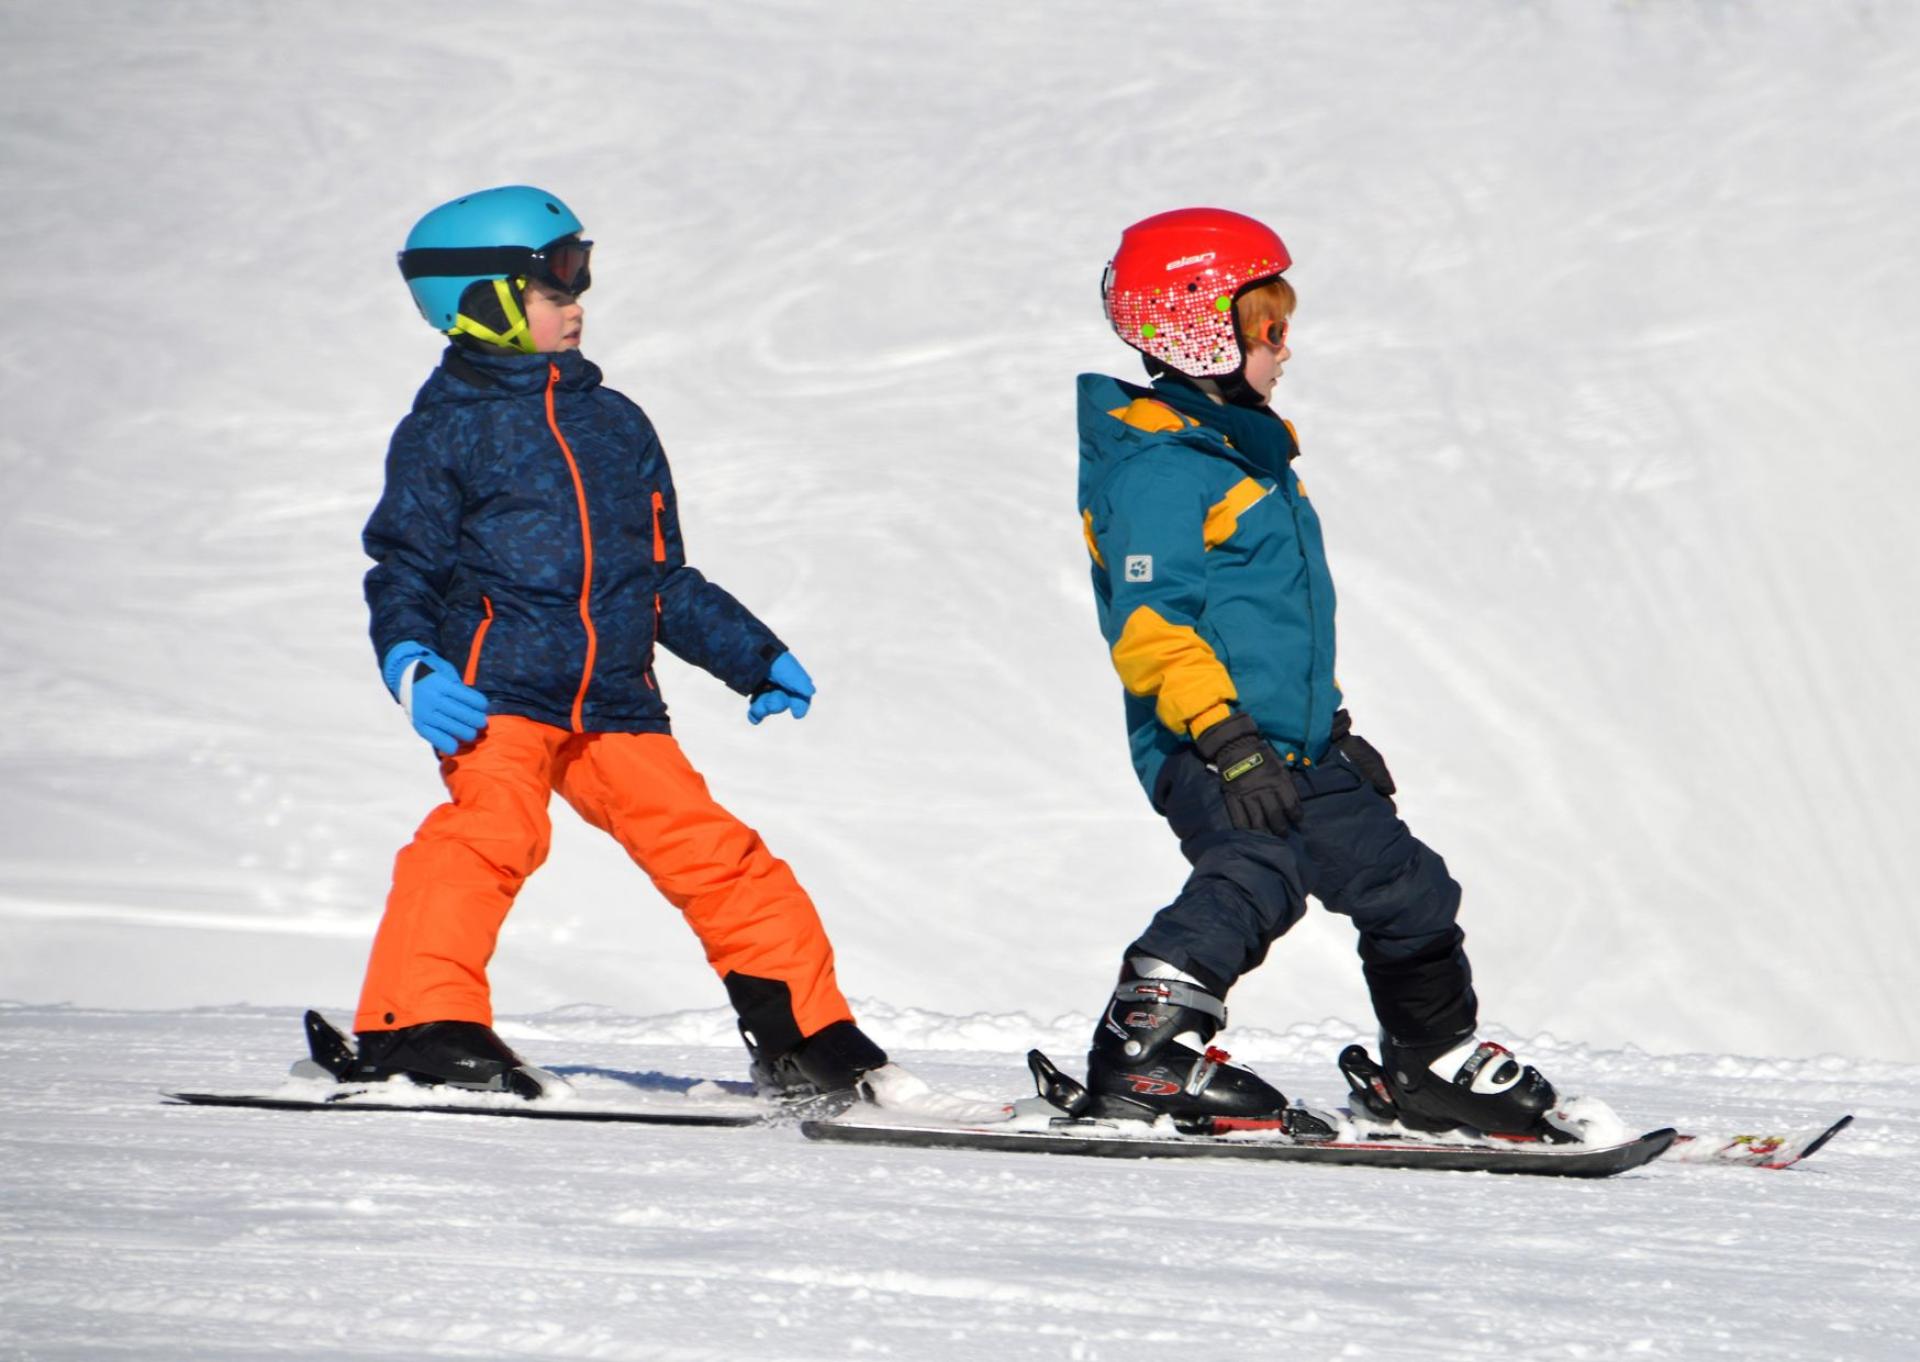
[
  {"x": 1773, "y": 1152},
  {"x": 1819, "y": 1141}
]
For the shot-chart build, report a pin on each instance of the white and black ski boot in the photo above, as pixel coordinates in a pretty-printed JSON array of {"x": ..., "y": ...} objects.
[
  {"x": 453, "y": 1054},
  {"x": 1150, "y": 1057},
  {"x": 1472, "y": 1083},
  {"x": 822, "y": 1073}
]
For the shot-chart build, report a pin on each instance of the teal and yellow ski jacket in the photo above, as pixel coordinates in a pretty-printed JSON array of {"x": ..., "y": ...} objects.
[{"x": 1208, "y": 569}]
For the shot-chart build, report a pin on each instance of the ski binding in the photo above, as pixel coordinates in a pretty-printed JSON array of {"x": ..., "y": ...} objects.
[{"x": 319, "y": 1083}]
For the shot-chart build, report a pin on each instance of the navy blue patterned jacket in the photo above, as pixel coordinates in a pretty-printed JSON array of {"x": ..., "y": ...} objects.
[{"x": 528, "y": 533}]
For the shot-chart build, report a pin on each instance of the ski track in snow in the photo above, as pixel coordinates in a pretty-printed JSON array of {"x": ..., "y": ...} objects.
[{"x": 133, "y": 1228}]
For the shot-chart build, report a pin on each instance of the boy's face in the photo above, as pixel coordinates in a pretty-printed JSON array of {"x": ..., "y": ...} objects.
[
  {"x": 554, "y": 319},
  {"x": 1264, "y": 365}
]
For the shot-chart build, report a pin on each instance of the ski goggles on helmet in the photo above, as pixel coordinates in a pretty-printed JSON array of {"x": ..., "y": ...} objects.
[{"x": 561, "y": 264}]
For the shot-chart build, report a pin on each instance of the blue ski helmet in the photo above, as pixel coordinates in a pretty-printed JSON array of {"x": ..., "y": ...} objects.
[{"x": 509, "y": 234}]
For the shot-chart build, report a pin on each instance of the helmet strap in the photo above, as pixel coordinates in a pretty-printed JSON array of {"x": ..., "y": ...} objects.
[
  {"x": 517, "y": 336},
  {"x": 1232, "y": 389}
]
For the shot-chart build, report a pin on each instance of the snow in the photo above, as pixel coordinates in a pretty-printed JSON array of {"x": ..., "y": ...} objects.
[
  {"x": 142, "y": 1230},
  {"x": 1604, "y": 376}
]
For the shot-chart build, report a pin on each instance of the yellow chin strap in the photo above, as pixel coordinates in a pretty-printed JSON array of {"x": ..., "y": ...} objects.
[{"x": 515, "y": 337}]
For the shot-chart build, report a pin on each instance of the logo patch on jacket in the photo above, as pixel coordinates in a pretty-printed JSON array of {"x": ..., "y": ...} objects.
[{"x": 1139, "y": 567}]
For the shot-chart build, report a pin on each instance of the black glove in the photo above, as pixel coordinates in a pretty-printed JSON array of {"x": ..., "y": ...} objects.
[
  {"x": 1361, "y": 754},
  {"x": 1257, "y": 784}
]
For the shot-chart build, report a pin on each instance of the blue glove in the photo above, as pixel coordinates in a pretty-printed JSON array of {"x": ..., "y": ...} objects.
[
  {"x": 787, "y": 689},
  {"x": 444, "y": 710}
]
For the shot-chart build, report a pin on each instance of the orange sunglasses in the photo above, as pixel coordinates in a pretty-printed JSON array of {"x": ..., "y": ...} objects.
[{"x": 1274, "y": 333}]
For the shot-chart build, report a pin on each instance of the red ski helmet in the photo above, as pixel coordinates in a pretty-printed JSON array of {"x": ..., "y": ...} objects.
[{"x": 1170, "y": 287}]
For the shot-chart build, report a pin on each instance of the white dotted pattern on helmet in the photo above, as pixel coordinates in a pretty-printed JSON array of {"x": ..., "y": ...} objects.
[{"x": 1188, "y": 325}]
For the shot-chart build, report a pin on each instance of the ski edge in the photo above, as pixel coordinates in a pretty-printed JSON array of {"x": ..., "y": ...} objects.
[{"x": 528, "y": 1111}]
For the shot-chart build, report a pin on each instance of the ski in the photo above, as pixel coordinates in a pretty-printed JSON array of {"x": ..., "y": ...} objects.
[
  {"x": 1106, "y": 1139},
  {"x": 321, "y": 1084},
  {"x": 1755, "y": 1151},
  {"x": 1368, "y": 1135},
  {"x": 1055, "y": 1122},
  {"x": 367, "y": 1099}
]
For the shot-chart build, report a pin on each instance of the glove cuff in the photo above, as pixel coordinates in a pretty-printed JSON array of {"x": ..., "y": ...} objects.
[
  {"x": 1217, "y": 738},
  {"x": 399, "y": 657}
]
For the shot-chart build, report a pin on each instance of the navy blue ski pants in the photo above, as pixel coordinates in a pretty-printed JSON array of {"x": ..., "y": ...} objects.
[{"x": 1352, "y": 852}]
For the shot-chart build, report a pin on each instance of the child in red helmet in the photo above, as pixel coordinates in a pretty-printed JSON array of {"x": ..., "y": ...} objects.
[{"x": 1213, "y": 591}]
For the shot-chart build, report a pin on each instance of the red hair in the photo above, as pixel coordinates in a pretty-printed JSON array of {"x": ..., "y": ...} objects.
[{"x": 1272, "y": 301}]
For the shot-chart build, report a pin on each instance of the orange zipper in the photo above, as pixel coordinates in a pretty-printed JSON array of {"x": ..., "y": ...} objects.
[
  {"x": 586, "y": 546},
  {"x": 648, "y": 674},
  {"x": 479, "y": 637},
  {"x": 659, "y": 556}
]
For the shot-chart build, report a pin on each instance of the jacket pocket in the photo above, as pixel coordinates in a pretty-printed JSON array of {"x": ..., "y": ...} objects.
[
  {"x": 659, "y": 535},
  {"x": 1332, "y": 775},
  {"x": 479, "y": 640}
]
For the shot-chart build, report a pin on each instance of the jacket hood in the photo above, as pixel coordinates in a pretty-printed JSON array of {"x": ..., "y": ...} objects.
[
  {"x": 1120, "y": 420},
  {"x": 471, "y": 374}
]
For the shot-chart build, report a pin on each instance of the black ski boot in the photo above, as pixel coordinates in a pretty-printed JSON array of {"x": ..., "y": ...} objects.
[
  {"x": 1150, "y": 1056},
  {"x": 454, "y": 1054},
  {"x": 1473, "y": 1083},
  {"x": 821, "y": 1073}
]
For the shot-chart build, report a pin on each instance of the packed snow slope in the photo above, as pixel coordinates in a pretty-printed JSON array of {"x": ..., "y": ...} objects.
[
  {"x": 1604, "y": 373},
  {"x": 174, "y": 1234}
]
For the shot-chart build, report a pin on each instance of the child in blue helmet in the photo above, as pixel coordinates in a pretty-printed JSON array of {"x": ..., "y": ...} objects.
[{"x": 528, "y": 559}]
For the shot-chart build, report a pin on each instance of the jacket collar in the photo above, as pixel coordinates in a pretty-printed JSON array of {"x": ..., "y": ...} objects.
[
  {"x": 1255, "y": 431},
  {"x": 470, "y": 373}
]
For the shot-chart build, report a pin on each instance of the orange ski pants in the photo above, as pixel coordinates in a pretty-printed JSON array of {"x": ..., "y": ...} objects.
[{"x": 453, "y": 884}]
